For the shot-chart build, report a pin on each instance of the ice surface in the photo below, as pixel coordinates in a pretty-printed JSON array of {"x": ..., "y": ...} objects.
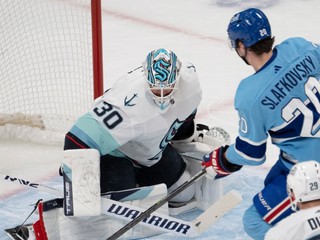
[{"x": 196, "y": 31}]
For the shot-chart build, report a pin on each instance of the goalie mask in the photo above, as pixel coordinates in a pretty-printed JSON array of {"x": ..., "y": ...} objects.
[
  {"x": 303, "y": 183},
  {"x": 161, "y": 69}
]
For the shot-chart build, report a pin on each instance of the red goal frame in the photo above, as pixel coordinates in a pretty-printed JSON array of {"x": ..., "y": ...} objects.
[{"x": 97, "y": 47}]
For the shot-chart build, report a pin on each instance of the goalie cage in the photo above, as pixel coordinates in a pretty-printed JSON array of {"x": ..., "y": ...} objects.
[{"x": 51, "y": 66}]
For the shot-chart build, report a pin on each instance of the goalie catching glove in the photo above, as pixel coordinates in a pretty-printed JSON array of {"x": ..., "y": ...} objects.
[
  {"x": 217, "y": 165},
  {"x": 213, "y": 137}
]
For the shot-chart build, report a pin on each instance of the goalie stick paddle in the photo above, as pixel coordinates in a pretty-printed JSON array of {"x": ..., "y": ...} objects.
[
  {"x": 217, "y": 210},
  {"x": 173, "y": 225},
  {"x": 111, "y": 208},
  {"x": 157, "y": 205}
]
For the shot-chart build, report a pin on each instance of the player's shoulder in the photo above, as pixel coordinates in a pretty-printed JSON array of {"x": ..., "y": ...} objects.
[
  {"x": 127, "y": 91},
  {"x": 295, "y": 44},
  {"x": 131, "y": 77},
  {"x": 189, "y": 75},
  {"x": 248, "y": 91},
  {"x": 295, "y": 40},
  {"x": 189, "y": 85},
  {"x": 130, "y": 81},
  {"x": 188, "y": 66},
  {"x": 188, "y": 70}
]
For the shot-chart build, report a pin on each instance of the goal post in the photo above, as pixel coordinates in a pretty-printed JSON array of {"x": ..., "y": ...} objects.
[
  {"x": 96, "y": 17},
  {"x": 51, "y": 63}
]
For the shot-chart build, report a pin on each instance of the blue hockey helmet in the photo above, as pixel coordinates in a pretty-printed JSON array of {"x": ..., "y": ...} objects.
[
  {"x": 249, "y": 26},
  {"x": 162, "y": 71}
]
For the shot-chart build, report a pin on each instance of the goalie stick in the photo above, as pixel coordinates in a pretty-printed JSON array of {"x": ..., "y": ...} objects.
[
  {"x": 27, "y": 183},
  {"x": 157, "y": 205},
  {"x": 153, "y": 220},
  {"x": 174, "y": 225}
]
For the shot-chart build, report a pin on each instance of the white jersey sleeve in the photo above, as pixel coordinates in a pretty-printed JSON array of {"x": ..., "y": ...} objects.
[{"x": 304, "y": 224}]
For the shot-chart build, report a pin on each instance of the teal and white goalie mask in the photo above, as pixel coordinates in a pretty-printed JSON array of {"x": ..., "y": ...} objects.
[{"x": 162, "y": 68}]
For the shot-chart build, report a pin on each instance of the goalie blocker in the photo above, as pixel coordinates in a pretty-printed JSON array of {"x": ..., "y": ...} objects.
[{"x": 81, "y": 181}]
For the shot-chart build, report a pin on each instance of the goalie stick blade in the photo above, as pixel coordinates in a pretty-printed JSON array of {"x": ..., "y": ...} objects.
[
  {"x": 155, "y": 220},
  {"x": 217, "y": 210},
  {"x": 171, "y": 224},
  {"x": 18, "y": 233},
  {"x": 193, "y": 228}
]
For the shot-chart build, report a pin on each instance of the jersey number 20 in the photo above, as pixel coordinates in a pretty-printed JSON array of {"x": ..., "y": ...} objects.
[{"x": 296, "y": 107}]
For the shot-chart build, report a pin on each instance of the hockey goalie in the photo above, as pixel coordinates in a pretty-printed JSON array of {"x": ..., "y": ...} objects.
[
  {"x": 82, "y": 215},
  {"x": 138, "y": 143}
]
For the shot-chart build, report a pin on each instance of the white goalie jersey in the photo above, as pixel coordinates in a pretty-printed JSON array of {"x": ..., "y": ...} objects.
[{"x": 127, "y": 119}]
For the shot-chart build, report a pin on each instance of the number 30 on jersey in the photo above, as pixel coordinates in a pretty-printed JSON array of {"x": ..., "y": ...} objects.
[{"x": 109, "y": 115}]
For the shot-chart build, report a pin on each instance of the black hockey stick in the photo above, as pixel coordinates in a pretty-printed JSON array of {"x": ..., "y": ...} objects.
[
  {"x": 157, "y": 205},
  {"x": 27, "y": 183}
]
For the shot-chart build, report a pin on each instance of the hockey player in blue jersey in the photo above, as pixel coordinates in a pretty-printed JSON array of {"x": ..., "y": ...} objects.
[{"x": 281, "y": 100}]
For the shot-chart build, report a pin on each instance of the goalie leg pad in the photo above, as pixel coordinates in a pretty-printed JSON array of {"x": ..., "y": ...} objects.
[
  {"x": 207, "y": 191},
  {"x": 184, "y": 201},
  {"x": 53, "y": 224},
  {"x": 185, "y": 195},
  {"x": 81, "y": 177}
]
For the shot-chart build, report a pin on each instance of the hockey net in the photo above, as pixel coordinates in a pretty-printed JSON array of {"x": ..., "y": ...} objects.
[{"x": 51, "y": 66}]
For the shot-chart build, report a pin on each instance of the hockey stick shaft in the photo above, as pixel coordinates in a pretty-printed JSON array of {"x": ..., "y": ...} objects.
[
  {"x": 27, "y": 183},
  {"x": 157, "y": 205}
]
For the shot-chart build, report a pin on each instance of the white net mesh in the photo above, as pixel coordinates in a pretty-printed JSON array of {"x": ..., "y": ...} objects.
[{"x": 46, "y": 60}]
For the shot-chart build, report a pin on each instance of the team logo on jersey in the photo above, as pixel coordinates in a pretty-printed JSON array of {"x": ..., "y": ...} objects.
[
  {"x": 167, "y": 138},
  {"x": 128, "y": 102},
  {"x": 170, "y": 134},
  {"x": 277, "y": 68}
]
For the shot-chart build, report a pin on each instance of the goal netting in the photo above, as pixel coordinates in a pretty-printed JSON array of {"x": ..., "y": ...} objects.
[{"x": 51, "y": 66}]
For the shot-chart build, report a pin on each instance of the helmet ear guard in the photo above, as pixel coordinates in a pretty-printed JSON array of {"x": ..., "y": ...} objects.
[
  {"x": 303, "y": 183},
  {"x": 249, "y": 26},
  {"x": 162, "y": 71}
]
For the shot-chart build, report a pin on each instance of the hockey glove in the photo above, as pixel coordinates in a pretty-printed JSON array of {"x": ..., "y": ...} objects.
[{"x": 217, "y": 165}]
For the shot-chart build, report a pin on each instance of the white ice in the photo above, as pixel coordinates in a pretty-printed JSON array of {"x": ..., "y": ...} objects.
[{"x": 196, "y": 31}]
